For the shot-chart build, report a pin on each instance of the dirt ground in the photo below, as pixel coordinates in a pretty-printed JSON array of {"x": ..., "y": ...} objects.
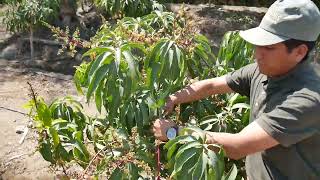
[{"x": 20, "y": 161}]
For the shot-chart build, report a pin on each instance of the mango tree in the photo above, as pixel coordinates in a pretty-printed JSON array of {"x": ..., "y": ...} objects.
[{"x": 129, "y": 71}]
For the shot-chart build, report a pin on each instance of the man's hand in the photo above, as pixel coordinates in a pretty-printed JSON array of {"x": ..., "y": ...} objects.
[
  {"x": 197, "y": 91},
  {"x": 170, "y": 104},
  {"x": 160, "y": 127}
]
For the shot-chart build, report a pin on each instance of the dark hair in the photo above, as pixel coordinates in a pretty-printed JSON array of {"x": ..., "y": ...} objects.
[{"x": 293, "y": 43}]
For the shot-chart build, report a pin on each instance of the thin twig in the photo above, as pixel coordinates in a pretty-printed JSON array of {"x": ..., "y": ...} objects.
[
  {"x": 25, "y": 132},
  {"x": 64, "y": 170},
  {"x": 8, "y": 109},
  {"x": 33, "y": 94},
  {"x": 17, "y": 156},
  {"x": 87, "y": 168}
]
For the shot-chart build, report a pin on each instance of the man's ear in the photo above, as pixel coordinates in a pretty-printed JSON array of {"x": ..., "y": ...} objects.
[{"x": 300, "y": 52}]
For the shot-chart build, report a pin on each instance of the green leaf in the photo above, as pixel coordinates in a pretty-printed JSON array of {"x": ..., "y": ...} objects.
[
  {"x": 154, "y": 53},
  {"x": 189, "y": 130},
  {"x": 163, "y": 55},
  {"x": 117, "y": 6},
  {"x": 73, "y": 102},
  {"x": 133, "y": 172},
  {"x": 240, "y": 106},
  {"x": 194, "y": 144},
  {"x": 69, "y": 113},
  {"x": 145, "y": 114},
  {"x": 117, "y": 59},
  {"x": 59, "y": 121},
  {"x": 180, "y": 139},
  {"x": 98, "y": 77},
  {"x": 79, "y": 147},
  {"x": 78, "y": 135},
  {"x": 200, "y": 167},
  {"x": 44, "y": 114},
  {"x": 152, "y": 75},
  {"x": 97, "y": 63},
  {"x": 131, "y": 64},
  {"x": 170, "y": 58},
  {"x": 216, "y": 160},
  {"x": 115, "y": 98},
  {"x": 117, "y": 174},
  {"x": 211, "y": 174},
  {"x": 232, "y": 174},
  {"x": 45, "y": 151},
  {"x": 123, "y": 115},
  {"x": 201, "y": 52},
  {"x": 100, "y": 146},
  {"x": 182, "y": 159},
  {"x": 202, "y": 39},
  {"x": 129, "y": 86},
  {"x": 139, "y": 119},
  {"x": 96, "y": 50},
  {"x": 132, "y": 45},
  {"x": 130, "y": 117},
  {"x": 208, "y": 119},
  {"x": 233, "y": 99},
  {"x": 188, "y": 167},
  {"x": 172, "y": 144},
  {"x": 55, "y": 136},
  {"x": 179, "y": 63},
  {"x": 53, "y": 106},
  {"x": 62, "y": 153},
  {"x": 98, "y": 96},
  {"x": 78, "y": 156}
]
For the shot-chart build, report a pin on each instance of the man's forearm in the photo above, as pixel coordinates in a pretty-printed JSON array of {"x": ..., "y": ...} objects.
[
  {"x": 229, "y": 142},
  {"x": 250, "y": 140},
  {"x": 200, "y": 90}
]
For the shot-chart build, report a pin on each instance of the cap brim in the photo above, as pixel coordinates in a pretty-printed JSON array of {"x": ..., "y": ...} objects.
[{"x": 260, "y": 37}]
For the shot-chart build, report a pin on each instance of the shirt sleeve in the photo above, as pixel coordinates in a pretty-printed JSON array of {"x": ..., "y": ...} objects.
[
  {"x": 240, "y": 80},
  {"x": 296, "y": 119}
]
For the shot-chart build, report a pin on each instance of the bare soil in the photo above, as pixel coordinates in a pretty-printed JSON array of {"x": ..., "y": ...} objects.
[{"x": 21, "y": 161}]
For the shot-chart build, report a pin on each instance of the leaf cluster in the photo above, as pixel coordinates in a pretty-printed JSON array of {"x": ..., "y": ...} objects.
[
  {"x": 23, "y": 14},
  {"x": 191, "y": 158},
  {"x": 131, "y": 77},
  {"x": 131, "y": 68},
  {"x": 128, "y": 8},
  {"x": 60, "y": 127},
  {"x": 125, "y": 156}
]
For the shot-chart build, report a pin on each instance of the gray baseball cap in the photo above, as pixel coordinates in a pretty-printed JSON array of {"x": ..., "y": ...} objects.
[{"x": 286, "y": 19}]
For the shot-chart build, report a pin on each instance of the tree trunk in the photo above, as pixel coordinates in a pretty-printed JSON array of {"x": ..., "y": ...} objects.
[
  {"x": 31, "y": 43},
  {"x": 68, "y": 10}
]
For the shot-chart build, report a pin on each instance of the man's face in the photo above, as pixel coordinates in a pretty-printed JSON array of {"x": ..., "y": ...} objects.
[{"x": 275, "y": 60}]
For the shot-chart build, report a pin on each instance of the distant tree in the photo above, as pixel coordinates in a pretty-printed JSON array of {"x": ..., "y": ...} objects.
[{"x": 26, "y": 15}]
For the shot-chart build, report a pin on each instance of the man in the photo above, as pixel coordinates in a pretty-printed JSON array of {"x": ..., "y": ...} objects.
[{"x": 282, "y": 140}]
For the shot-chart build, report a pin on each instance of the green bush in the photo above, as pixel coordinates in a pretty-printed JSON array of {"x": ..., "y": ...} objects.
[
  {"x": 25, "y": 14},
  {"x": 133, "y": 67},
  {"x": 128, "y": 8}
]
